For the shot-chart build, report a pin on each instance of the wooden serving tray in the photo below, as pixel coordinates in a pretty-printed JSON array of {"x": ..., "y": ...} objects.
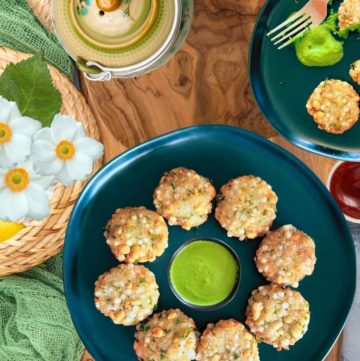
[{"x": 206, "y": 82}]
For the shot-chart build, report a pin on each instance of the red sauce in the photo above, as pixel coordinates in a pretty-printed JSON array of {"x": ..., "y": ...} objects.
[{"x": 345, "y": 187}]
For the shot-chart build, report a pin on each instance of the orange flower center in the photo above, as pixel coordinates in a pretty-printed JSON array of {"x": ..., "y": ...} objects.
[
  {"x": 65, "y": 150},
  {"x": 17, "y": 179},
  {"x": 5, "y": 133}
]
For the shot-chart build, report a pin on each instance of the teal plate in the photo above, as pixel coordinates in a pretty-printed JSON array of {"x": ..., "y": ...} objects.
[
  {"x": 220, "y": 153},
  {"x": 282, "y": 86}
]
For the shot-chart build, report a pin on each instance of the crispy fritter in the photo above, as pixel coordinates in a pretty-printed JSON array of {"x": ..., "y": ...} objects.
[
  {"x": 246, "y": 207},
  {"x": 227, "y": 340},
  {"x": 136, "y": 234},
  {"x": 184, "y": 198},
  {"x": 127, "y": 294},
  {"x": 168, "y": 335},
  {"x": 334, "y": 106},
  {"x": 285, "y": 256},
  {"x": 277, "y": 316}
]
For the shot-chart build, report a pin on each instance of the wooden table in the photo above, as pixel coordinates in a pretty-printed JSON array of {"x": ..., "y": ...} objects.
[{"x": 206, "y": 82}]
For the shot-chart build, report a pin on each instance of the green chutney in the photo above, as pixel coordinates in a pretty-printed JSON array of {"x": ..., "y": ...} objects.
[
  {"x": 204, "y": 273},
  {"x": 318, "y": 47}
]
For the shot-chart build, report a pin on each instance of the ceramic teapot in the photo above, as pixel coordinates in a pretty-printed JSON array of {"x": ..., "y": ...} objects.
[{"x": 121, "y": 38}]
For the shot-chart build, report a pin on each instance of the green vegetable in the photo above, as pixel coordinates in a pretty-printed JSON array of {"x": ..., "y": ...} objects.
[
  {"x": 162, "y": 354},
  {"x": 29, "y": 84},
  {"x": 184, "y": 332}
]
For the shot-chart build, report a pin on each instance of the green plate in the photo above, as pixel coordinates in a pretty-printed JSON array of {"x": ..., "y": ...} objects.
[
  {"x": 220, "y": 153},
  {"x": 282, "y": 85}
]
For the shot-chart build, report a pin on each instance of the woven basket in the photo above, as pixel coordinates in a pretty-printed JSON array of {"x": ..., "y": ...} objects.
[{"x": 43, "y": 239}]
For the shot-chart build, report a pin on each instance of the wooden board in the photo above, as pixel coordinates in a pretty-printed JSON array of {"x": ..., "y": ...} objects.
[{"x": 206, "y": 82}]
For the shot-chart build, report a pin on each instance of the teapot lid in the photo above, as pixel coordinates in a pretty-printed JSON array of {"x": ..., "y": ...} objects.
[{"x": 114, "y": 24}]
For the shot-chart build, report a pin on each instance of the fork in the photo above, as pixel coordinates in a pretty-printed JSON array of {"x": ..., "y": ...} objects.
[{"x": 310, "y": 16}]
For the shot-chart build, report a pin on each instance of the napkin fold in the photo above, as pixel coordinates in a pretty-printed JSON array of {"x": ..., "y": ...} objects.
[
  {"x": 21, "y": 30},
  {"x": 35, "y": 324}
]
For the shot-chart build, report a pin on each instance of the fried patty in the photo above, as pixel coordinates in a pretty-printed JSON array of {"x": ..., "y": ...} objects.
[
  {"x": 184, "y": 198},
  {"x": 285, "y": 256},
  {"x": 136, "y": 234},
  {"x": 127, "y": 294},
  {"x": 278, "y": 316},
  {"x": 349, "y": 14},
  {"x": 334, "y": 106},
  {"x": 168, "y": 335},
  {"x": 246, "y": 207},
  {"x": 227, "y": 340}
]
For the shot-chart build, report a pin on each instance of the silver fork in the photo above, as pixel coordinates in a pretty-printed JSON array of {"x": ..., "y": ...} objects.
[{"x": 311, "y": 15}]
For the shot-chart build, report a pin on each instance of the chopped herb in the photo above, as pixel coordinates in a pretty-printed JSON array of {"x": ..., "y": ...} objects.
[
  {"x": 144, "y": 326},
  {"x": 235, "y": 355},
  {"x": 259, "y": 339},
  {"x": 173, "y": 185},
  {"x": 185, "y": 332},
  {"x": 162, "y": 354}
]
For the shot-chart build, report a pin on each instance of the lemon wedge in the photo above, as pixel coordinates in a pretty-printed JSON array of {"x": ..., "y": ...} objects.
[{"x": 9, "y": 229}]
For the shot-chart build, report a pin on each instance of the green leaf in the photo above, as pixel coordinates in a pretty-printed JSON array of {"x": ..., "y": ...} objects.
[{"x": 29, "y": 84}]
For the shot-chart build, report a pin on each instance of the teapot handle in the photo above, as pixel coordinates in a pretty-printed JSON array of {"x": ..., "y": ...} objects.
[{"x": 93, "y": 71}]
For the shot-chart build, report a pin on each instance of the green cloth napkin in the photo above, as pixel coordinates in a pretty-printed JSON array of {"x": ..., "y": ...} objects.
[
  {"x": 20, "y": 30},
  {"x": 35, "y": 324}
]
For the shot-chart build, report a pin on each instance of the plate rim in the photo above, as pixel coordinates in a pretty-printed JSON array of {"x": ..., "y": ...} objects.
[
  {"x": 297, "y": 140},
  {"x": 175, "y": 136}
]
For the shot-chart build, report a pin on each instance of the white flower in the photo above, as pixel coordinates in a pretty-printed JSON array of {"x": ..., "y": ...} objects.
[
  {"x": 15, "y": 134},
  {"x": 23, "y": 193},
  {"x": 65, "y": 151}
]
